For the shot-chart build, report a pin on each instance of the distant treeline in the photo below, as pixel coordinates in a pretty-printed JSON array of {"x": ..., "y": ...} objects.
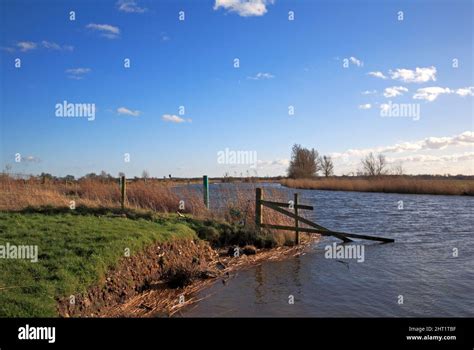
[{"x": 101, "y": 176}]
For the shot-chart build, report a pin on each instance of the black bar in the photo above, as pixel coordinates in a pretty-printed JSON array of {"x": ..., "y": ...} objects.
[{"x": 122, "y": 333}]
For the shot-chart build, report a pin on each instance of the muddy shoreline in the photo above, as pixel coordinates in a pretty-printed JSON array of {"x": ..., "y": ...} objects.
[{"x": 164, "y": 279}]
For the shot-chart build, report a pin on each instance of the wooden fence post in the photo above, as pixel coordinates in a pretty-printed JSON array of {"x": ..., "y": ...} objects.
[
  {"x": 123, "y": 191},
  {"x": 258, "y": 207},
  {"x": 314, "y": 227},
  {"x": 297, "y": 237},
  {"x": 205, "y": 184}
]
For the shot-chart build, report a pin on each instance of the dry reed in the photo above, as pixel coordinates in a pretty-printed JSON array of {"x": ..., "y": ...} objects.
[
  {"x": 387, "y": 184},
  {"x": 237, "y": 204}
]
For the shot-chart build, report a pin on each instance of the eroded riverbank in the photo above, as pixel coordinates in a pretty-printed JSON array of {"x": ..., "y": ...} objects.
[{"x": 164, "y": 279}]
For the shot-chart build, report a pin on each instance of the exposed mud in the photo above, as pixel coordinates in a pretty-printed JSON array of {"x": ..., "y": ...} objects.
[
  {"x": 137, "y": 273},
  {"x": 163, "y": 279}
]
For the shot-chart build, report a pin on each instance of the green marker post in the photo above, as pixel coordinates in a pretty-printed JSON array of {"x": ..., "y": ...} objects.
[{"x": 205, "y": 184}]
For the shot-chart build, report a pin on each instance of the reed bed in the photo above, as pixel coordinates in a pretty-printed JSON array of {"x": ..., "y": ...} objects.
[
  {"x": 236, "y": 205},
  {"x": 156, "y": 196},
  {"x": 239, "y": 208},
  {"x": 387, "y": 184}
]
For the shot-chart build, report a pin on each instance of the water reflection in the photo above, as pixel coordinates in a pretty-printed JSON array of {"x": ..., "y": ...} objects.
[
  {"x": 259, "y": 284},
  {"x": 419, "y": 265},
  {"x": 296, "y": 264}
]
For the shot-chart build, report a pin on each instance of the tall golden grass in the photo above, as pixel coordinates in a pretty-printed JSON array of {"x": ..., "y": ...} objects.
[
  {"x": 158, "y": 196},
  {"x": 240, "y": 208},
  {"x": 17, "y": 194},
  {"x": 387, "y": 184}
]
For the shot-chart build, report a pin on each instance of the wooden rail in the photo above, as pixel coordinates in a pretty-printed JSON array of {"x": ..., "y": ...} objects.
[
  {"x": 314, "y": 227},
  {"x": 123, "y": 191}
]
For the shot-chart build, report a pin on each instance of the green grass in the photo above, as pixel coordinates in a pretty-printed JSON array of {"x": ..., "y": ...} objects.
[
  {"x": 74, "y": 252},
  {"x": 223, "y": 234}
]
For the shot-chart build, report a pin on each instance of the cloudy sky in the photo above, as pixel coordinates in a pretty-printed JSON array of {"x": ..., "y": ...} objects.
[{"x": 173, "y": 83}]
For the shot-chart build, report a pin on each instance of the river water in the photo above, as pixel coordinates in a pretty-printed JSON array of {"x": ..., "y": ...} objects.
[{"x": 428, "y": 271}]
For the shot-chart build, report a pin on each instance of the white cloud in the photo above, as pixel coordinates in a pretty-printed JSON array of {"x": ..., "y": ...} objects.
[
  {"x": 283, "y": 162},
  {"x": 431, "y": 93},
  {"x": 426, "y": 158},
  {"x": 126, "y": 111},
  {"x": 273, "y": 163},
  {"x": 430, "y": 143},
  {"x": 50, "y": 45},
  {"x": 8, "y": 49},
  {"x": 77, "y": 73},
  {"x": 394, "y": 91},
  {"x": 435, "y": 155},
  {"x": 356, "y": 61},
  {"x": 30, "y": 159},
  {"x": 54, "y": 46},
  {"x": 377, "y": 75},
  {"x": 26, "y": 45},
  {"x": 130, "y": 6},
  {"x": 78, "y": 70},
  {"x": 244, "y": 8},
  {"x": 468, "y": 91},
  {"x": 419, "y": 75},
  {"x": 261, "y": 76},
  {"x": 466, "y": 138},
  {"x": 174, "y": 119},
  {"x": 369, "y": 92},
  {"x": 365, "y": 106},
  {"x": 107, "y": 31}
]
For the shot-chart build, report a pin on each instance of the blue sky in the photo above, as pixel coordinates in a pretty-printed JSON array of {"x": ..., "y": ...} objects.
[{"x": 338, "y": 63}]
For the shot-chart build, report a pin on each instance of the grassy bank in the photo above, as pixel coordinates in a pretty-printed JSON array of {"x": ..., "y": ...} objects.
[
  {"x": 77, "y": 248},
  {"x": 74, "y": 252},
  {"x": 387, "y": 184}
]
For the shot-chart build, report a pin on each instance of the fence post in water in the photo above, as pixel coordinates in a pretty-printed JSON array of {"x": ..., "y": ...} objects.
[
  {"x": 205, "y": 183},
  {"x": 297, "y": 238},
  {"x": 123, "y": 184},
  {"x": 258, "y": 207}
]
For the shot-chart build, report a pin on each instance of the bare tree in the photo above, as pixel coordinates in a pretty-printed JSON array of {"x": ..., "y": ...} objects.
[
  {"x": 145, "y": 175},
  {"x": 374, "y": 165},
  {"x": 397, "y": 169},
  {"x": 368, "y": 164},
  {"x": 304, "y": 163},
  {"x": 104, "y": 176},
  {"x": 381, "y": 165},
  {"x": 327, "y": 165}
]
